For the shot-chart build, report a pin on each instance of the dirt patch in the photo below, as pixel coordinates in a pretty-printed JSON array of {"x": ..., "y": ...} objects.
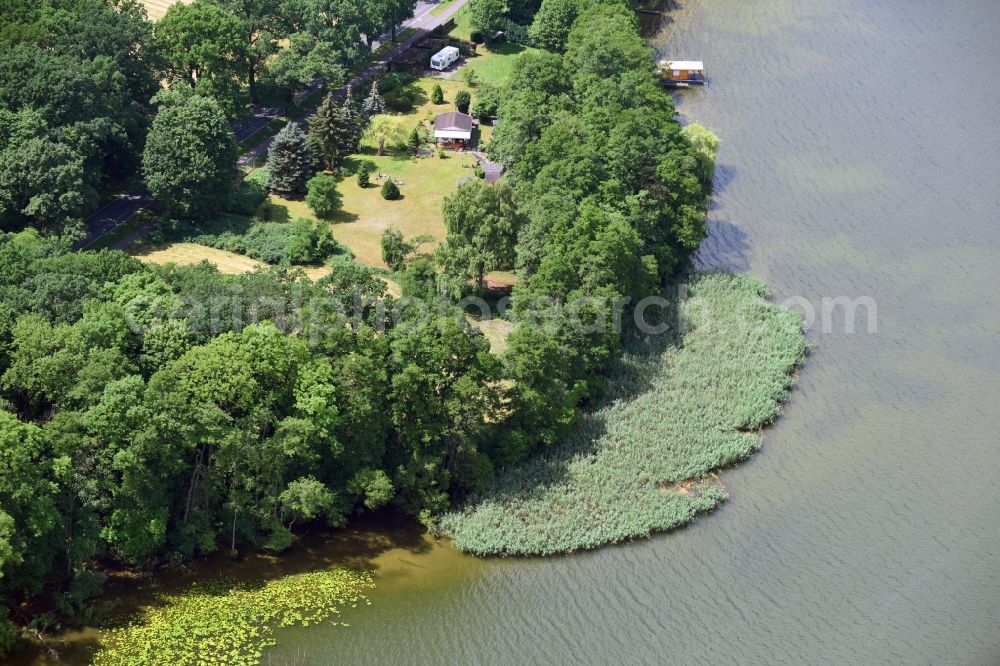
[{"x": 692, "y": 488}]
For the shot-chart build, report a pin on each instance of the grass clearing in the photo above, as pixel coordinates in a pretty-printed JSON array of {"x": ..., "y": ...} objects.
[
  {"x": 366, "y": 215},
  {"x": 426, "y": 182},
  {"x": 677, "y": 410},
  {"x": 493, "y": 64},
  {"x": 184, "y": 254},
  {"x": 229, "y": 263}
]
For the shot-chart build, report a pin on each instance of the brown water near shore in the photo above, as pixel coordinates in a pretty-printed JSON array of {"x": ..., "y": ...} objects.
[{"x": 860, "y": 158}]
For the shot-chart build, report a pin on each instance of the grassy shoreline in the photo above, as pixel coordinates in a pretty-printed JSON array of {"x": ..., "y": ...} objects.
[{"x": 678, "y": 410}]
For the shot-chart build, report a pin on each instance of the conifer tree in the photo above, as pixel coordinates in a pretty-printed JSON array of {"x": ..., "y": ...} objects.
[
  {"x": 355, "y": 120},
  {"x": 288, "y": 161},
  {"x": 373, "y": 104},
  {"x": 330, "y": 132}
]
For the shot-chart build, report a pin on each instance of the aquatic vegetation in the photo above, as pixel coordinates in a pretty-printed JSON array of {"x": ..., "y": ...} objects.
[
  {"x": 227, "y": 622},
  {"x": 678, "y": 408}
]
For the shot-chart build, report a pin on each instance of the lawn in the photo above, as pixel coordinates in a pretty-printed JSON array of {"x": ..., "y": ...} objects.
[
  {"x": 426, "y": 181},
  {"x": 366, "y": 215},
  {"x": 493, "y": 64},
  {"x": 230, "y": 263}
]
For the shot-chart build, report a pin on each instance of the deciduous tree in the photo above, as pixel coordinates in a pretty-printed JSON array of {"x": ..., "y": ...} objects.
[{"x": 190, "y": 157}]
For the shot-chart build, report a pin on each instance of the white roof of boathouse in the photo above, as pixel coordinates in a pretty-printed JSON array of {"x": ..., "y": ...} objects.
[{"x": 683, "y": 64}]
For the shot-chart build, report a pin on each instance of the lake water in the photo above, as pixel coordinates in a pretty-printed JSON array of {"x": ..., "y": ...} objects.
[{"x": 860, "y": 159}]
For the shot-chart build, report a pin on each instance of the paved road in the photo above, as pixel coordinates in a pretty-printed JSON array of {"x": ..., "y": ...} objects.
[{"x": 114, "y": 214}]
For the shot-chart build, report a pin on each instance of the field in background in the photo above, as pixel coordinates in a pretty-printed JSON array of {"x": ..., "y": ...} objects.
[{"x": 157, "y": 8}]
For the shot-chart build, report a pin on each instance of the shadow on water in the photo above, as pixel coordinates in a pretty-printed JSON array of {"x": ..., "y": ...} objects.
[
  {"x": 725, "y": 249},
  {"x": 653, "y": 15}
]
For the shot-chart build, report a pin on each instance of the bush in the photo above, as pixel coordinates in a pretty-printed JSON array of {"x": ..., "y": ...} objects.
[
  {"x": 476, "y": 36},
  {"x": 249, "y": 194},
  {"x": 390, "y": 191},
  {"x": 398, "y": 91},
  {"x": 470, "y": 77},
  {"x": 310, "y": 242},
  {"x": 675, "y": 411},
  {"x": 437, "y": 94},
  {"x": 480, "y": 173},
  {"x": 363, "y": 175},
  {"x": 415, "y": 140},
  {"x": 322, "y": 197},
  {"x": 394, "y": 248},
  {"x": 462, "y": 100},
  {"x": 487, "y": 102}
]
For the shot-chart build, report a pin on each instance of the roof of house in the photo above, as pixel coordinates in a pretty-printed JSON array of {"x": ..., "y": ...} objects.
[
  {"x": 683, "y": 64},
  {"x": 453, "y": 121}
]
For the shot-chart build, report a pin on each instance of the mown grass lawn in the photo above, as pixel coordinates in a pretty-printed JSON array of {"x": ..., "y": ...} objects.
[
  {"x": 493, "y": 64},
  {"x": 365, "y": 215},
  {"x": 230, "y": 263}
]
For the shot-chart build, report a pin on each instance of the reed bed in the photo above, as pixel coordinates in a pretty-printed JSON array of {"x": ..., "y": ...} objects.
[{"x": 680, "y": 406}]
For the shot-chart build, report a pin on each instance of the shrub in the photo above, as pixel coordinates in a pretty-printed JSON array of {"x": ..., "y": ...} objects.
[
  {"x": 363, "y": 175},
  {"x": 322, "y": 196},
  {"x": 470, "y": 77},
  {"x": 437, "y": 94},
  {"x": 487, "y": 102},
  {"x": 415, "y": 140},
  {"x": 476, "y": 36},
  {"x": 480, "y": 173},
  {"x": 462, "y": 100},
  {"x": 675, "y": 411},
  {"x": 419, "y": 280},
  {"x": 249, "y": 194},
  {"x": 390, "y": 191},
  {"x": 310, "y": 242},
  {"x": 394, "y": 248},
  {"x": 398, "y": 91}
]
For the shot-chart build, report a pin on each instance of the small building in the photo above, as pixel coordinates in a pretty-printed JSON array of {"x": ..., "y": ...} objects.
[
  {"x": 682, "y": 71},
  {"x": 442, "y": 59},
  {"x": 453, "y": 130}
]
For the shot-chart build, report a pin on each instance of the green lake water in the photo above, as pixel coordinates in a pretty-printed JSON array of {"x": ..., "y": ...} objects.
[{"x": 860, "y": 159}]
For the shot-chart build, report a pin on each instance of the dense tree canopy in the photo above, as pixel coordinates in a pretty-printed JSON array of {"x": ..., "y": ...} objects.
[
  {"x": 75, "y": 83},
  {"x": 151, "y": 414}
]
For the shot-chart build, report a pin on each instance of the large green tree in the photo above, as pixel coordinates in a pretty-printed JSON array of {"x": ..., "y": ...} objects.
[
  {"x": 190, "y": 158},
  {"x": 482, "y": 225},
  {"x": 488, "y": 16},
  {"x": 204, "y": 46},
  {"x": 443, "y": 395}
]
